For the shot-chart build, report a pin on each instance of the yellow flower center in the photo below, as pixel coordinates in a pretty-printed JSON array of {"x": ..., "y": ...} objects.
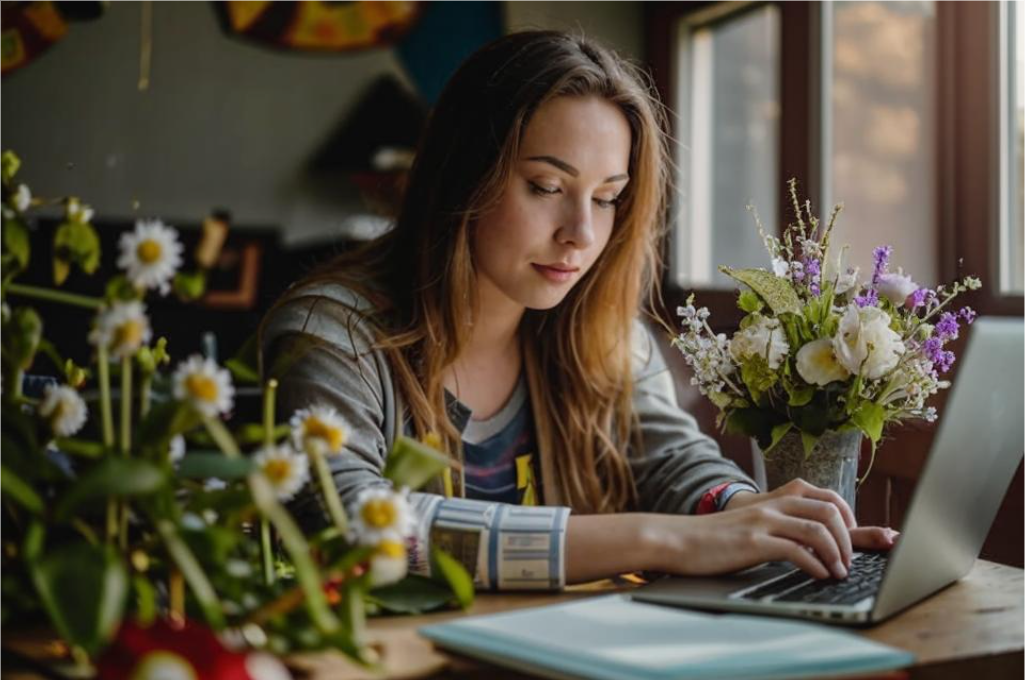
[
  {"x": 379, "y": 513},
  {"x": 128, "y": 334},
  {"x": 277, "y": 470},
  {"x": 148, "y": 251},
  {"x": 392, "y": 549},
  {"x": 433, "y": 440},
  {"x": 333, "y": 436},
  {"x": 201, "y": 387}
]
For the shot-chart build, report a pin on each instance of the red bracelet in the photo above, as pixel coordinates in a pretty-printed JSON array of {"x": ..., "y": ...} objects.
[{"x": 708, "y": 504}]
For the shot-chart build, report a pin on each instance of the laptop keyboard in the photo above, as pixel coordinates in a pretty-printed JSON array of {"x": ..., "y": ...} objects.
[{"x": 864, "y": 577}]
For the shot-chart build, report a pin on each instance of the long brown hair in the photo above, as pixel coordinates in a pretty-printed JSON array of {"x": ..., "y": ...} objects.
[{"x": 577, "y": 355}]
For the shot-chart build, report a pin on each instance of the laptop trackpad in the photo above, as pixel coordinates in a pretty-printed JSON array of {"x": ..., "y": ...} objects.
[{"x": 714, "y": 589}]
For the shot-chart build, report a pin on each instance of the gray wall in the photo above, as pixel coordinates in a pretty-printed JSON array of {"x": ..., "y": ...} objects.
[{"x": 224, "y": 123}]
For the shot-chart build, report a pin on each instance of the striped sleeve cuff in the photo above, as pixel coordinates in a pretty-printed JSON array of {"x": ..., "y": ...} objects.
[{"x": 505, "y": 547}]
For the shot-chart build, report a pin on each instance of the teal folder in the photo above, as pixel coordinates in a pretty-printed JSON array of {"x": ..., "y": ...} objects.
[{"x": 614, "y": 638}]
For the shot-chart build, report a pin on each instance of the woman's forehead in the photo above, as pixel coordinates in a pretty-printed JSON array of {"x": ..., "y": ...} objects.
[{"x": 588, "y": 133}]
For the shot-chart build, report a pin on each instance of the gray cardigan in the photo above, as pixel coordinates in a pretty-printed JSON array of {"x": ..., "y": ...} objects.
[{"x": 325, "y": 329}]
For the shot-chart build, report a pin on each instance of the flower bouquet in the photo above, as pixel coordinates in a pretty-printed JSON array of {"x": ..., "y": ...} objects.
[
  {"x": 141, "y": 521},
  {"x": 822, "y": 356}
]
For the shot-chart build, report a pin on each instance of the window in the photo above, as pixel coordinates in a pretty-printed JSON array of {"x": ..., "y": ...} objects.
[
  {"x": 1012, "y": 148},
  {"x": 727, "y": 97}
]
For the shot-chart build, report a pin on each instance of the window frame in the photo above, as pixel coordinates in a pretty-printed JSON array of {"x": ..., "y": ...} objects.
[{"x": 799, "y": 127}]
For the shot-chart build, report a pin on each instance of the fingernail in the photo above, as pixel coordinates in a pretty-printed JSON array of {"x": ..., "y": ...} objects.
[{"x": 839, "y": 569}]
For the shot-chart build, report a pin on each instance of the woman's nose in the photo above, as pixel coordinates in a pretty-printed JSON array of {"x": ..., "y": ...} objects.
[{"x": 577, "y": 228}]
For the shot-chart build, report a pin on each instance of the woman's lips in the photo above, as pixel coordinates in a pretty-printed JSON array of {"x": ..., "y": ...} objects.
[{"x": 557, "y": 275}]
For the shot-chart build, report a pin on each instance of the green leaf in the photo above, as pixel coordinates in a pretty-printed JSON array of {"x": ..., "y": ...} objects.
[
  {"x": 203, "y": 464},
  {"x": 81, "y": 447},
  {"x": 16, "y": 241},
  {"x": 9, "y": 164},
  {"x": 145, "y": 600},
  {"x": 244, "y": 366},
  {"x": 412, "y": 595},
  {"x": 22, "y": 335},
  {"x": 16, "y": 488},
  {"x": 83, "y": 589},
  {"x": 778, "y": 432},
  {"x": 163, "y": 422},
  {"x": 756, "y": 374},
  {"x": 749, "y": 302},
  {"x": 120, "y": 289},
  {"x": 78, "y": 243},
  {"x": 799, "y": 395},
  {"x": 754, "y": 422},
  {"x": 870, "y": 418},
  {"x": 189, "y": 286},
  {"x": 453, "y": 573},
  {"x": 808, "y": 441},
  {"x": 412, "y": 463},
  {"x": 774, "y": 290},
  {"x": 112, "y": 477}
]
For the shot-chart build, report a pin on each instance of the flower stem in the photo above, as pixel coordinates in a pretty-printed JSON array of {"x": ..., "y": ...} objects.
[
  {"x": 52, "y": 295},
  {"x": 107, "y": 428},
  {"x": 145, "y": 392},
  {"x": 193, "y": 573},
  {"x": 126, "y": 439},
  {"x": 327, "y": 487},
  {"x": 268, "y": 440},
  {"x": 292, "y": 538}
]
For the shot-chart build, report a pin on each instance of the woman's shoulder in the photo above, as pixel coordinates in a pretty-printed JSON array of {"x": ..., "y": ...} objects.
[{"x": 330, "y": 311}]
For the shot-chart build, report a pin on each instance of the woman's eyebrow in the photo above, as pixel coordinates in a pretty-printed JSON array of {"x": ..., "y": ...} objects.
[{"x": 567, "y": 168}]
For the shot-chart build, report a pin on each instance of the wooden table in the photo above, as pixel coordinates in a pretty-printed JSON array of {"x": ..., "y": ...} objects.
[{"x": 974, "y": 629}]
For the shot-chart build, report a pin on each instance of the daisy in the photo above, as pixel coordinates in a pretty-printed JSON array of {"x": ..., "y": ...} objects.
[
  {"x": 204, "y": 385},
  {"x": 122, "y": 328},
  {"x": 64, "y": 409},
  {"x": 380, "y": 514},
  {"x": 151, "y": 255},
  {"x": 388, "y": 564},
  {"x": 286, "y": 470},
  {"x": 22, "y": 198},
  {"x": 77, "y": 211},
  {"x": 319, "y": 426}
]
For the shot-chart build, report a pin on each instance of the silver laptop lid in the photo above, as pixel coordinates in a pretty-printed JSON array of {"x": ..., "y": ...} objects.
[{"x": 974, "y": 455}]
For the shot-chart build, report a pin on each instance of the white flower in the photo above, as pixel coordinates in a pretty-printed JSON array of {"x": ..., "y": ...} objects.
[
  {"x": 780, "y": 267},
  {"x": 200, "y": 382},
  {"x": 176, "y": 449},
  {"x": 64, "y": 408},
  {"x": 151, "y": 255},
  {"x": 896, "y": 287},
  {"x": 318, "y": 426},
  {"x": 865, "y": 343},
  {"x": 122, "y": 328},
  {"x": 817, "y": 363},
  {"x": 380, "y": 514},
  {"x": 847, "y": 280},
  {"x": 763, "y": 338},
  {"x": 77, "y": 211},
  {"x": 286, "y": 470},
  {"x": 22, "y": 198},
  {"x": 389, "y": 563}
]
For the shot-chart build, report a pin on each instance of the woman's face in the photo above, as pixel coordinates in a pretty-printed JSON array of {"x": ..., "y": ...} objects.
[{"x": 557, "y": 211}]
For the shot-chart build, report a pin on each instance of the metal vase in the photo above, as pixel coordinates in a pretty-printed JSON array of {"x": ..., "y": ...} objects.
[{"x": 832, "y": 464}]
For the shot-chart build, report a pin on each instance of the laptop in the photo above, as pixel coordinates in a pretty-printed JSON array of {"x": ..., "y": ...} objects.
[{"x": 974, "y": 456}]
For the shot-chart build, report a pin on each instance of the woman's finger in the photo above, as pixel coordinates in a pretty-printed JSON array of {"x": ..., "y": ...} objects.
[
  {"x": 813, "y": 534},
  {"x": 803, "y": 489},
  {"x": 776, "y": 548},
  {"x": 874, "y": 538},
  {"x": 829, "y": 515}
]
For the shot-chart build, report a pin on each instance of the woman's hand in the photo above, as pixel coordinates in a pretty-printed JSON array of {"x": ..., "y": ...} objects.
[
  {"x": 861, "y": 538},
  {"x": 811, "y": 527}
]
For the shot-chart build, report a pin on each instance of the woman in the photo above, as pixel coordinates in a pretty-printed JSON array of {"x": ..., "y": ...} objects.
[{"x": 501, "y": 313}]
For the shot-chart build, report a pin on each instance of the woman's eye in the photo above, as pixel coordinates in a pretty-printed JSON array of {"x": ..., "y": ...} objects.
[
  {"x": 542, "y": 190},
  {"x": 610, "y": 203}
]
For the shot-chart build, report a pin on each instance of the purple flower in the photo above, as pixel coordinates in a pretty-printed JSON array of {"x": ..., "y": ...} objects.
[
  {"x": 941, "y": 359},
  {"x": 946, "y": 327},
  {"x": 813, "y": 269},
  {"x": 944, "y": 361},
  {"x": 918, "y": 298},
  {"x": 869, "y": 299},
  {"x": 880, "y": 259},
  {"x": 967, "y": 315}
]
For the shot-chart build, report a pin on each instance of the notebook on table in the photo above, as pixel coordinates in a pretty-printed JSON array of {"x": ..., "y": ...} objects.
[{"x": 614, "y": 638}]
